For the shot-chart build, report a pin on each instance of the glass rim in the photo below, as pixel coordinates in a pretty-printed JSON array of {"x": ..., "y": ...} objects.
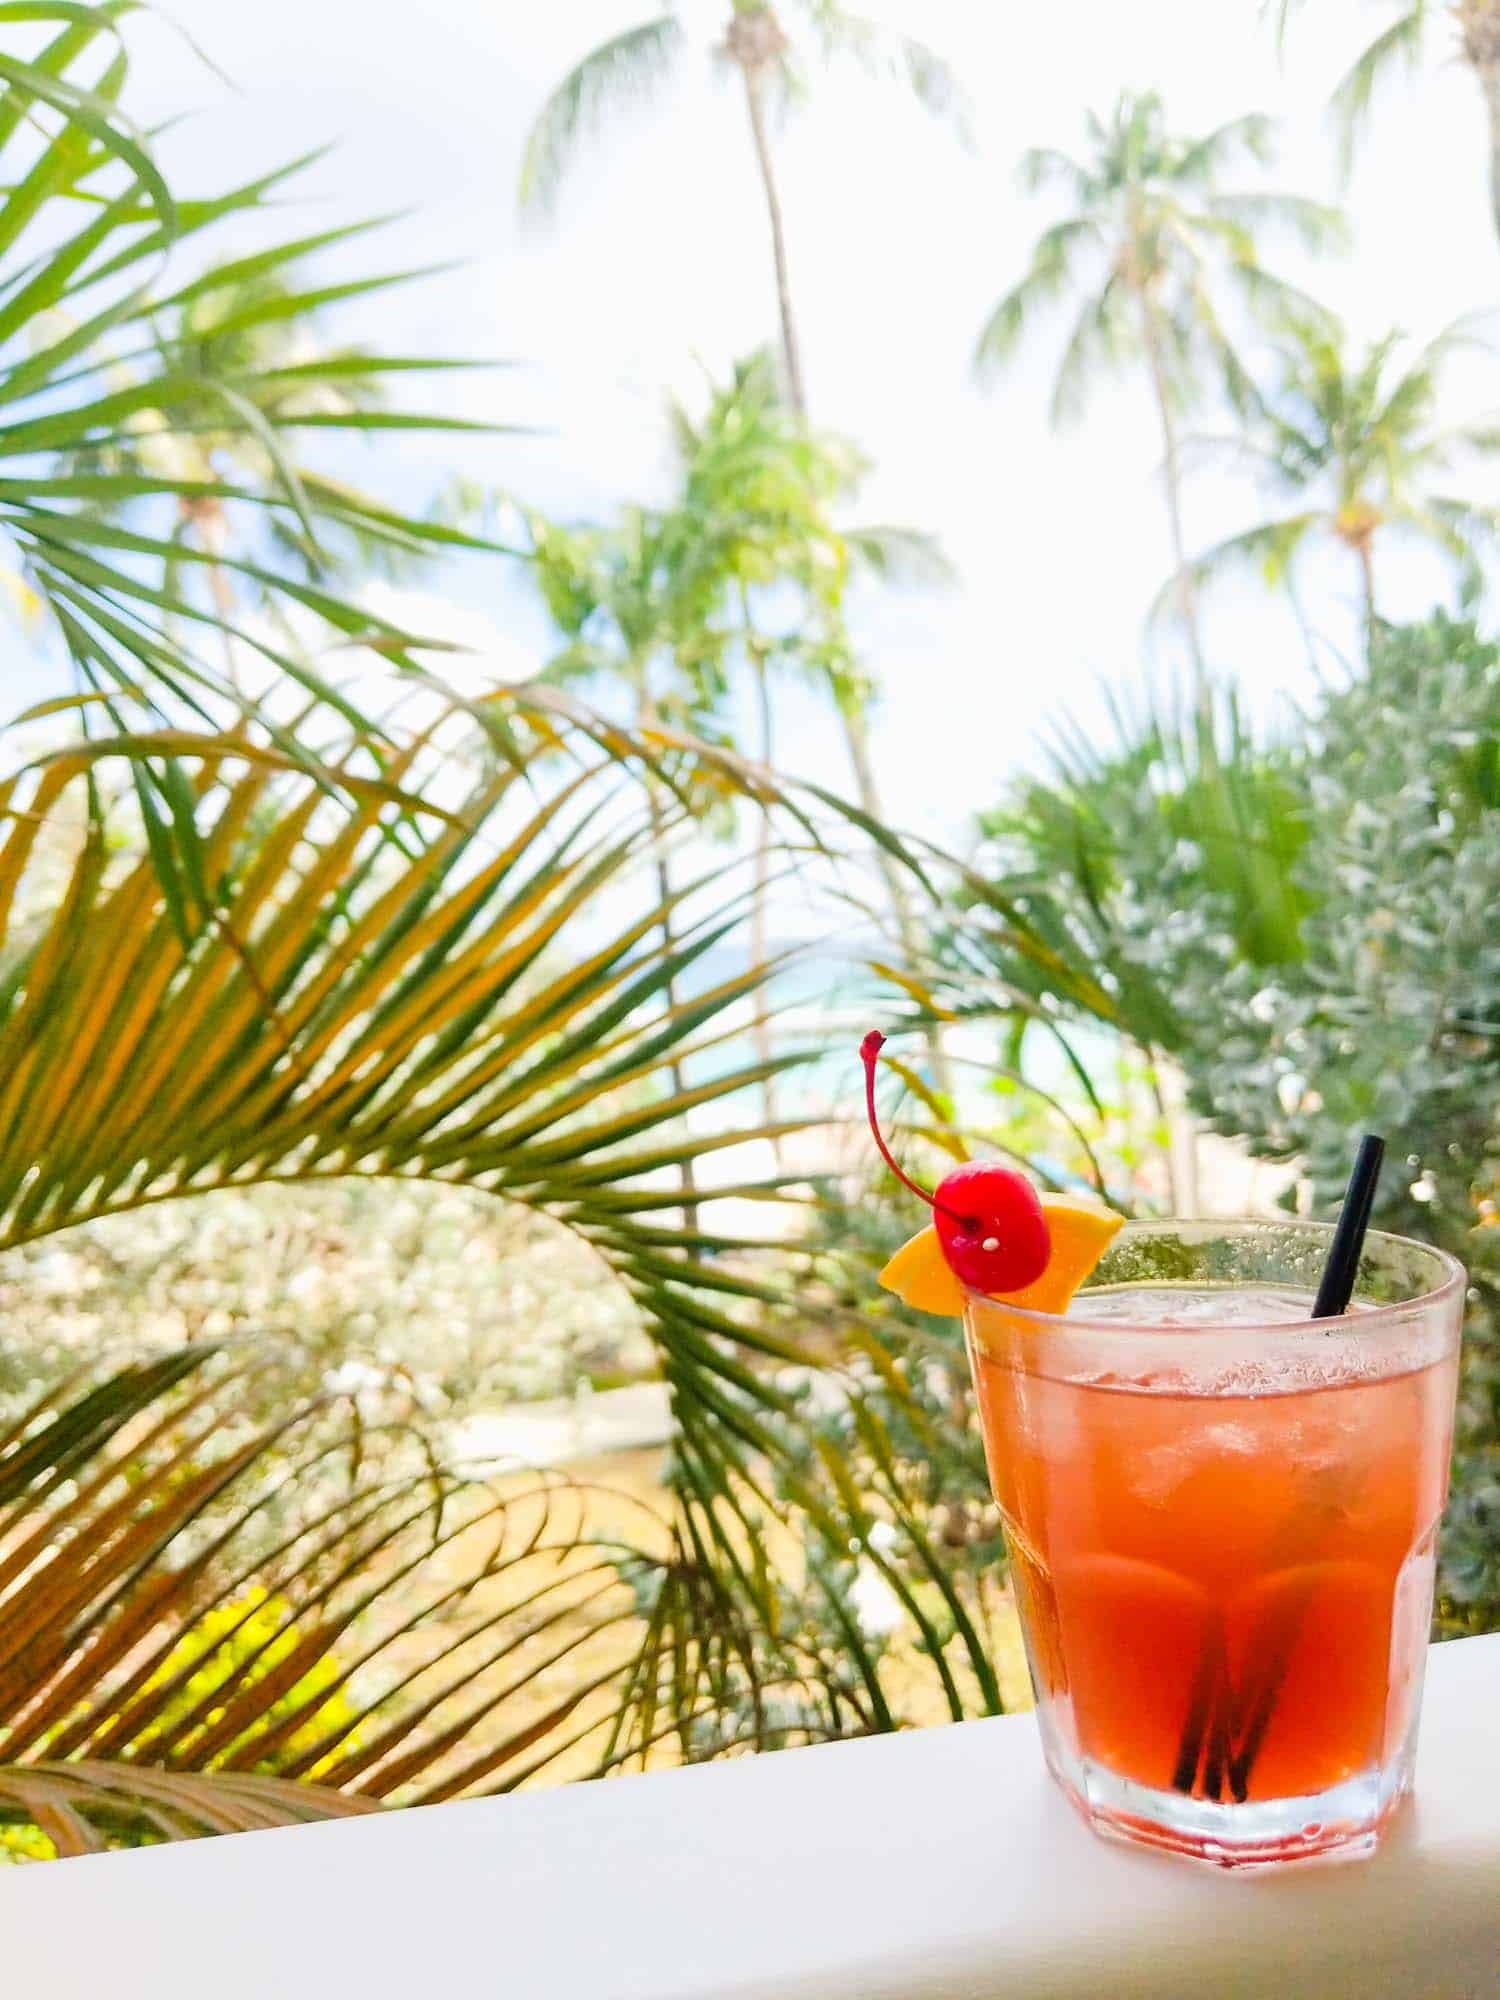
[{"x": 1368, "y": 1319}]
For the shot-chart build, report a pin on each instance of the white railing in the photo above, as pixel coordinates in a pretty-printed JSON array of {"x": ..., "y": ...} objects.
[{"x": 937, "y": 1865}]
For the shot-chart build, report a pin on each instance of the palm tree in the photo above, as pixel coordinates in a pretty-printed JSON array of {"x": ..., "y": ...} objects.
[
  {"x": 304, "y": 959},
  {"x": 472, "y": 991},
  {"x": 757, "y": 45},
  {"x": 759, "y": 504},
  {"x": 746, "y": 570},
  {"x": 1148, "y": 246},
  {"x": 1351, "y": 445},
  {"x": 152, "y": 432},
  {"x": 1474, "y": 27},
  {"x": 743, "y": 572},
  {"x": 632, "y": 616}
]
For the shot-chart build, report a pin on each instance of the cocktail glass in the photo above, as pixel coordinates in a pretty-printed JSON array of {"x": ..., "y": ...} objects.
[{"x": 1222, "y": 1520}]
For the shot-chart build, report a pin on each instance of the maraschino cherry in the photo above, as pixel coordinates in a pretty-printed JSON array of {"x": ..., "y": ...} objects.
[{"x": 989, "y": 1218}]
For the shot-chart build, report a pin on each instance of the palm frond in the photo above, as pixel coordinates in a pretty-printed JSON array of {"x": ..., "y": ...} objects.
[
  {"x": 1101, "y": 335},
  {"x": 84, "y": 1807},
  {"x": 1398, "y": 45},
  {"x": 1278, "y": 304},
  {"x": 1179, "y": 788},
  {"x": 192, "y": 1596},
  {"x": 1267, "y": 552},
  {"x": 1248, "y": 137},
  {"x": 306, "y": 1032},
  {"x": 1480, "y": 435},
  {"x": 124, "y": 399},
  {"x": 629, "y": 68},
  {"x": 1477, "y": 328},
  {"x": 887, "y": 55},
  {"x": 1044, "y": 167},
  {"x": 1049, "y": 277},
  {"x": 907, "y": 557},
  {"x": 1216, "y": 785},
  {"x": 1466, "y": 530},
  {"x": 1316, "y": 225},
  {"x": 1281, "y": 14},
  {"x": 479, "y": 993}
]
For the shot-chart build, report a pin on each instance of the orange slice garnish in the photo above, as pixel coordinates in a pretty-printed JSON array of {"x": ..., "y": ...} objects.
[{"x": 1081, "y": 1231}]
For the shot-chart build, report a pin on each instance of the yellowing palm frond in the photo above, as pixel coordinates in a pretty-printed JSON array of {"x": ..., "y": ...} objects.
[
  {"x": 478, "y": 992},
  {"x": 212, "y": 1624}
]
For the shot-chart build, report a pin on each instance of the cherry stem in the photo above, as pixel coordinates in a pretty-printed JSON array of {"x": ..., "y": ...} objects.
[{"x": 869, "y": 1055}]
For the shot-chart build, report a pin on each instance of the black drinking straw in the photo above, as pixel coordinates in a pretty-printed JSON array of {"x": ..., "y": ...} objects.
[
  {"x": 1206, "y": 1718},
  {"x": 1337, "y": 1287}
]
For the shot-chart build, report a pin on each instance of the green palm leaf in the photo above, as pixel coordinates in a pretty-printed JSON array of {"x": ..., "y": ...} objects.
[
  {"x": 494, "y": 1004},
  {"x": 1154, "y": 252},
  {"x": 124, "y": 401},
  {"x": 1347, "y": 441},
  {"x": 1249, "y": 137},
  {"x": 1054, "y": 270},
  {"x": 1398, "y": 46},
  {"x": 1267, "y": 552},
  {"x": 884, "y": 53},
  {"x": 1101, "y": 334},
  {"x": 1314, "y": 224},
  {"x": 627, "y": 68}
]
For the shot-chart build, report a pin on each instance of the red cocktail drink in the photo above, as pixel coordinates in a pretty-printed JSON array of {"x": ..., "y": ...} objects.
[{"x": 1222, "y": 1520}]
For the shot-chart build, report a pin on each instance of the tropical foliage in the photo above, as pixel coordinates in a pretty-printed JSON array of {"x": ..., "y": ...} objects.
[
  {"x": 1417, "y": 30},
  {"x": 1155, "y": 252},
  {"x": 279, "y": 912},
  {"x": 302, "y": 948},
  {"x": 697, "y": 608},
  {"x": 393, "y": 987},
  {"x": 166, "y": 533},
  {"x": 738, "y": 579},
  {"x": 1303, "y": 926},
  {"x": 772, "y": 68},
  {"x": 1355, "y": 446},
  {"x": 190, "y": 1596}
]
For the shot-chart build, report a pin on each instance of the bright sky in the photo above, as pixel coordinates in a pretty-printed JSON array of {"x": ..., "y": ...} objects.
[{"x": 657, "y": 267}]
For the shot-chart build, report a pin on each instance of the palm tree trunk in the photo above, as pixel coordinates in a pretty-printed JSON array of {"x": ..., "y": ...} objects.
[
  {"x": 753, "y": 74},
  {"x": 1489, "y": 83},
  {"x": 1366, "y": 555},
  {"x": 908, "y": 932},
  {"x": 1187, "y": 595},
  {"x": 867, "y": 792},
  {"x": 754, "y": 43},
  {"x": 1182, "y": 1127},
  {"x": 1479, "y": 25}
]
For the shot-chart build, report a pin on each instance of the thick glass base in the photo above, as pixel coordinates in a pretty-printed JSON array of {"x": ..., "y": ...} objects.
[{"x": 1343, "y": 1824}]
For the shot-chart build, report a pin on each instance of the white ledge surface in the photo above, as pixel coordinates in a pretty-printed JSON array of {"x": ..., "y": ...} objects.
[{"x": 937, "y": 1865}]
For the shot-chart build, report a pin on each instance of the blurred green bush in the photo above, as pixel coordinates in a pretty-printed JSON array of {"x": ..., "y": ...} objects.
[{"x": 1304, "y": 925}]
